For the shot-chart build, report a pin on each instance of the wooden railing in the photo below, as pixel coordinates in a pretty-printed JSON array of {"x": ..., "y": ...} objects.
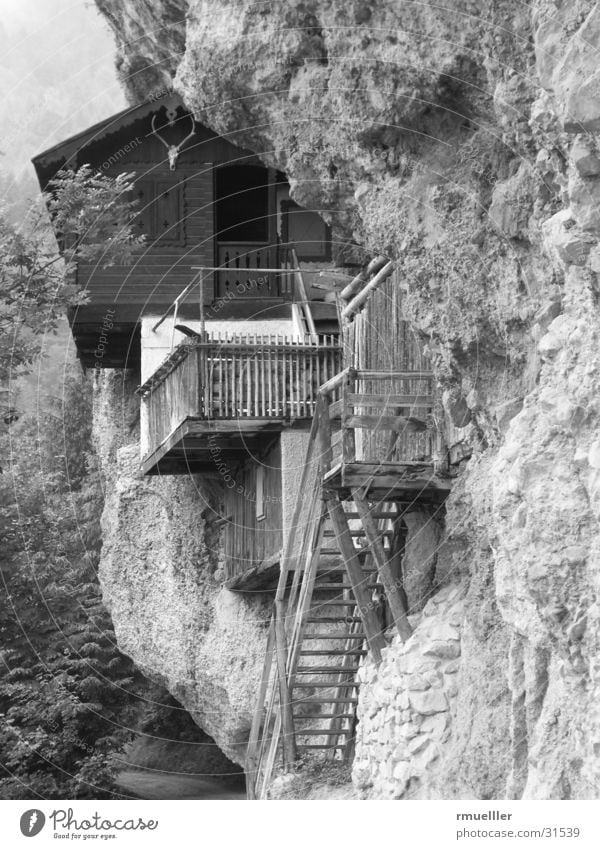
[
  {"x": 383, "y": 417},
  {"x": 243, "y": 271},
  {"x": 261, "y": 377}
]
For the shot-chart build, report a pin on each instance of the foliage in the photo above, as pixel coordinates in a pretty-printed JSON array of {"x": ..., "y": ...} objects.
[
  {"x": 93, "y": 214},
  {"x": 67, "y": 695}
]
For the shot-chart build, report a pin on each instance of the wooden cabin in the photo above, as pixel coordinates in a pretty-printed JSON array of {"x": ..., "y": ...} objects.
[{"x": 224, "y": 312}]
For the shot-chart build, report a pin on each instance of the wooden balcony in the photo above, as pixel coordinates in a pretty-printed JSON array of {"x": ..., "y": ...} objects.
[
  {"x": 378, "y": 432},
  {"x": 224, "y": 398},
  {"x": 243, "y": 274}
]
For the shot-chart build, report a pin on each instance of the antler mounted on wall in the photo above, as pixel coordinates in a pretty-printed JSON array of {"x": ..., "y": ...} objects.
[{"x": 173, "y": 150}]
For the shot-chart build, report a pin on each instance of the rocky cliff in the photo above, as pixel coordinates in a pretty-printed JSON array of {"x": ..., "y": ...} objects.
[{"x": 462, "y": 141}]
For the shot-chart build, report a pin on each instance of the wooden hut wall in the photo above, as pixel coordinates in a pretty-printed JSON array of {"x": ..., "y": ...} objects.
[{"x": 249, "y": 540}]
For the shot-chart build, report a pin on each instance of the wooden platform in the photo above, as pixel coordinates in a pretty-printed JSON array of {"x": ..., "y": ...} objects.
[
  {"x": 263, "y": 576},
  {"x": 201, "y": 446},
  {"x": 402, "y": 481}
]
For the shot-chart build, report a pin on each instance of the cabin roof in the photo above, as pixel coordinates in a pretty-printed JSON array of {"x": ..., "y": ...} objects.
[{"x": 67, "y": 148}]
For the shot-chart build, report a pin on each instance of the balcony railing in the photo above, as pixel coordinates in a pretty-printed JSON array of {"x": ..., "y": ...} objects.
[{"x": 240, "y": 377}]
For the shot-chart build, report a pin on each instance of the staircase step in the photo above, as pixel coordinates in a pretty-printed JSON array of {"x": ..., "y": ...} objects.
[
  {"x": 359, "y": 551},
  {"x": 335, "y": 652},
  {"x": 336, "y": 603},
  {"x": 325, "y": 684},
  {"x": 326, "y": 701},
  {"x": 324, "y": 670},
  {"x": 313, "y": 717},
  {"x": 316, "y": 732},
  {"x": 377, "y": 514},
  {"x": 334, "y": 636},
  {"x": 386, "y": 532},
  {"x": 338, "y": 619}
]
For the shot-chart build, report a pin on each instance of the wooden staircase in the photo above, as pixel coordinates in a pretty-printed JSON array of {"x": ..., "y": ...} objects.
[
  {"x": 323, "y": 684},
  {"x": 340, "y": 584}
]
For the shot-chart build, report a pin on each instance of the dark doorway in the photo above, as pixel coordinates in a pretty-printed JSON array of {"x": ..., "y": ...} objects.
[{"x": 242, "y": 230}]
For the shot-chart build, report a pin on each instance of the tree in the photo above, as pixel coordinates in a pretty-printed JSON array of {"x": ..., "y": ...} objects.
[
  {"x": 92, "y": 213},
  {"x": 66, "y": 692}
]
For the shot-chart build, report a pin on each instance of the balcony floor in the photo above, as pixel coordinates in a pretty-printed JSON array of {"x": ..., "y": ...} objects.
[
  {"x": 407, "y": 482},
  {"x": 206, "y": 446}
]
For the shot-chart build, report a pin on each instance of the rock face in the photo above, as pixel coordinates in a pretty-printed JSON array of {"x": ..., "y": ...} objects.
[
  {"x": 159, "y": 558},
  {"x": 461, "y": 142}
]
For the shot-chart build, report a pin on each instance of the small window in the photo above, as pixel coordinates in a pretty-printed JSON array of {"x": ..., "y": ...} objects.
[
  {"x": 260, "y": 492},
  {"x": 159, "y": 214},
  {"x": 306, "y": 232}
]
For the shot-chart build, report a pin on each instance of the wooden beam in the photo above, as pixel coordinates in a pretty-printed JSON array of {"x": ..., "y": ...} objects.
[
  {"x": 357, "y": 302},
  {"x": 391, "y": 586},
  {"x": 355, "y": 574},
  {"x": 361, "y": 278},
  {"x": 328, "y": 387},
  {"x": 362, "y": 374},
  {"x": 367, "y": 400},
  {"x": 285, "y": 702},
  {"x": 258, "y": 716}
]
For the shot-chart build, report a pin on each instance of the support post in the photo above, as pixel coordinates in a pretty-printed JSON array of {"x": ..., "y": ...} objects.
[
  {"x": 258, "y": 717},
  {"x": 289, "y": 740},
  {"x": 392, "y": 589},
  {"x": 354, "y": 571}
]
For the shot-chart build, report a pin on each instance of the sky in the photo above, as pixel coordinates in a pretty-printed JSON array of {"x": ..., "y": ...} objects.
[{"x": 57, "y": 75}]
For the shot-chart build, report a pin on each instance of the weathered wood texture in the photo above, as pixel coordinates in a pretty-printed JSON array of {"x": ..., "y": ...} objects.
[
  {"x": 380, "y": 340},
  {"x": 250, "y": 540},
  {"x": 259, "y": 377}
]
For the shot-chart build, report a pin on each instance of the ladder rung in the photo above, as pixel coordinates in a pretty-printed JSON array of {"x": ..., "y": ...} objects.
[
  {"x": 326, "y": 701},
  {"x": 301, "y": 746},
  {"x": 332, "y": 587}
]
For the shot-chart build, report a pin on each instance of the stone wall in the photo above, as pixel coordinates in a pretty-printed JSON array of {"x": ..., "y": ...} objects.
[{"x": 407, "y": 704}]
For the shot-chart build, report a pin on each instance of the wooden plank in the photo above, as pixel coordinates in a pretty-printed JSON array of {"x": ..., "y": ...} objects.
[
  {"x": 375, "y": 422},
  {"x": 285, "y": 703},
  {"x": 324, "y": 433},
  {"x": 368, "y": 400},
  {"x": 390, "y": 585},
  {"x": 355, "y": 575}
]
